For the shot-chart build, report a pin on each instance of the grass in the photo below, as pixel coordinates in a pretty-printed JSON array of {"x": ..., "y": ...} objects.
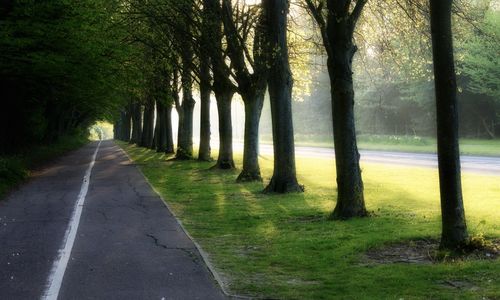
[
  {"x": 14, "y": 169},
  {"x": 283, "y": 246},
  {"x": 401, "y": 143}
]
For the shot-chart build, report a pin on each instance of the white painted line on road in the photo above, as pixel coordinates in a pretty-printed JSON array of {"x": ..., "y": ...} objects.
[{"x": 59, "y": 267}]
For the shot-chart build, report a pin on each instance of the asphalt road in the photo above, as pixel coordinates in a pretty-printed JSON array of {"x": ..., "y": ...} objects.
[
  {"x": 476, "y": 164},
  {"x": 128, "y": 245}
]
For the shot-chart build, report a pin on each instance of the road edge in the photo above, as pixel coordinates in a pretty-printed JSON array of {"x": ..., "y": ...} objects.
[{"x": 203, "y": 254}]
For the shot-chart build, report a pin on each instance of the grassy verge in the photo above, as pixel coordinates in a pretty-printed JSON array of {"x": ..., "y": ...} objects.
[
  {"x": 15, "y": 169},
  {"x": 283, "y": 246},
  {"x": 402, "y": 143}
]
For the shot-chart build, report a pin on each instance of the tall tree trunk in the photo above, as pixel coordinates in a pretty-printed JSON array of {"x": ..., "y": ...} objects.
[
  {"x": 251, "y": 86},
  {"x": 222, "y": 85},
  {"x": 169, "y": 140},
  {"x": 127, "y": 123},
  {"x": 136, "y": 123},
  {"x": 161, "y": 138},
  {"x": 185, "y": 137},
  {"x": 350, "y": 195},
  {"x": 350, "y": 199},
  {"x": 155, "y": 133},
  {"x": 280, "y": 90},
  {"x": 148, "y": 125},
  {"x": 225, "y": 159},
  {"x": 204, "y": 152},
  {"x": 117, "y": 129},
  {"x": 454, "y": 229},
  {"x": 253, "y": 109}
]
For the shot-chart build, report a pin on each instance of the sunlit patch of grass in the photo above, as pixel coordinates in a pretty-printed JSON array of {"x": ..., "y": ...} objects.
[{"x": 284, "y": 246}]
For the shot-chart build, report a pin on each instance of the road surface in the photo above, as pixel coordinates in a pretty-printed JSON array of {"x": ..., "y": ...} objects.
[
  {"x": 127, "y": 244},
  {"x": 476, "y": 164}
]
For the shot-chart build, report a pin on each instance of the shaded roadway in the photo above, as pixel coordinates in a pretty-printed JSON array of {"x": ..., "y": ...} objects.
[{"x": 128, "y": 244}]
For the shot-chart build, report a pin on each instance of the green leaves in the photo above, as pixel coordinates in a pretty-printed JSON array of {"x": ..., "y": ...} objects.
[{"x": 481, "y": 62}]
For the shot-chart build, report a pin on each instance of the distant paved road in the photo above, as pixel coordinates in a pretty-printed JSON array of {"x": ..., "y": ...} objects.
[
  {"x": 128, "y": 244},
  {"x": 476, "y": 164}
]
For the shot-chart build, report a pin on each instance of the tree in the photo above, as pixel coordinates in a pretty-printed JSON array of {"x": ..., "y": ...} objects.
[
  {"x": 454, "y": 229},
  {"x": 251, "y": 85},
  {"x": 136, "y": 123},
  {"x": 280, "y": 84},
  {"x": 148, "y": 124},
  {"x": 204, "y": 152},
  {"x": 222, "y": 86},
  {"x": 185, "y": 136},
  {"x": 337, "y": 34}
]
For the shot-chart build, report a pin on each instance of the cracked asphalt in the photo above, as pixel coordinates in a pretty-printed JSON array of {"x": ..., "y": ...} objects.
[{"x": 128, "y": 244}]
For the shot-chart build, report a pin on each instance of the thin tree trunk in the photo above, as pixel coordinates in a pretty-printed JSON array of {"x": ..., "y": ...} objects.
[
  {"x": 205, "y": 91},
  {"x": 185, "y": 136},
  {"x": 185, "y": 141},
  {"x": 454, "y": 229},
  {"x": 161, "y": 141},
  {"x": 169, "y": 147},
  {"x": 136, "y": 123},
  {"x": 280, "y": 90},
  {"x": 154, "y": 144},
  {"x": 148, "y": 125},
  {"x": 225, "y": 159},
  {"x": 253, "y": 109},
  {"x": 117, "y": 129},
  {"x": 127, "y": 123},
  {"x": 204, "y": 151}
]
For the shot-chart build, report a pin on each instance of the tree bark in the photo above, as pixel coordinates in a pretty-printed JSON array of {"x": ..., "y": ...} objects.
[
  {"x": 222, "y": 85},
  {"x": 148, "y": 125},
  {"x": 156, "y": 132},
  {"x": 204, "y": 152},
  {"x": 350, "y": 199},
  {"x": 337, "y": 34},
  {"x": 251, "y": 86},
  {"x": 127, "y": 123},
  {"x": 454, "y": 229},
  {"x": 185, "y": 137},
  {"x": 136, "y": 123},
  {"x": 225, "y": 159},
  {"x": 169, "y": 146},
  {"x": 117, "y": 129},
  {"x": 161, "y": 139},
  {"x": 280, "y": 83},
  {"x": 253, "y": 109}
]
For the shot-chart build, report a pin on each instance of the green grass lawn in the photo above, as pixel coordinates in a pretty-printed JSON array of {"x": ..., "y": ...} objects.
[
  {"x": 283, "y": 246},
  {"x": 401, "y": 143}
]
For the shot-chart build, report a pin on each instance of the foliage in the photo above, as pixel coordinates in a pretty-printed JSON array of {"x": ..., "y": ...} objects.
[
  {"x": 394, "y": 91},
  {"x": 61, "y": 68},
  {"x": 481, "y": 62}
]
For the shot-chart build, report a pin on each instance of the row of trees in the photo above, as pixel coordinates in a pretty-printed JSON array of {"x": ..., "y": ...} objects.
[
  {"x": 64, "y": 66},
  {"x": 226, "y": 48}
]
